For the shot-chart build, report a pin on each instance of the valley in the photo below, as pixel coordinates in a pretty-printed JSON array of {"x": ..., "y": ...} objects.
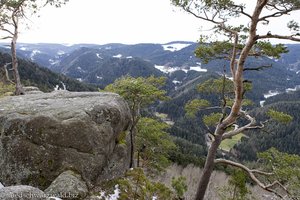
[
  {"x": 99, "y": 65},
  {"x": 92, "y": 67}
]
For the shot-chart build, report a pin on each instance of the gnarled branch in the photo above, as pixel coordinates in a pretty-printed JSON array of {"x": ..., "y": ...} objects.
[
  {"x": 251, "y": 173},
  {"x": 237, "y": 130}
]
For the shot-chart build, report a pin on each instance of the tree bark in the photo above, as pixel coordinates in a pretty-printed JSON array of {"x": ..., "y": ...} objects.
[
  {"x": 208, "y": 168},
  {"x": 138, "y": 159},
  {"x": 14, "y": 59},
  {"x": 132, "y": 134},
  {"x": 236, "y": 108},
  {"x": 7, "y": 74}
]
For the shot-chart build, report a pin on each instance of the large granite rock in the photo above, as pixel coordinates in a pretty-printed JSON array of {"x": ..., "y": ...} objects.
[
  {"x": 68, "y": 184},
  {"x": 43, "y": 135},
  {"x": 22, "y": 192}
]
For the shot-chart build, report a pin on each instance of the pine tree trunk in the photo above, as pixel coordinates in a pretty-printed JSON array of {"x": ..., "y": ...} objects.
[
  {"x": 138, "y": 159},
  {"x": 208, "y": 168},
  {"x": 131, "y": 132},
  {"x": 14, "y": 59}
]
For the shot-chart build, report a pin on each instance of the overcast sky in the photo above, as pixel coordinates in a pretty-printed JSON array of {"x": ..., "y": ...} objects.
[{"x": 116, "y": 21}]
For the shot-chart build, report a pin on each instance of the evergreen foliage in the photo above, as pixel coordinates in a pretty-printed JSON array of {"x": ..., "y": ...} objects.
[
  {"x": 153, "y": 145},
  {"x": 139, "y": 93},
  {"x": 236, "y": 188},
  {"x": 180, "y": 186},
  {"x": 135, "y": 185},
  {"x": 285, "y": 168}
]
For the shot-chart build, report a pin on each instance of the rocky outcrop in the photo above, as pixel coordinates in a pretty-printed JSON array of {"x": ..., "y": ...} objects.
[
  {"x": 68, "y": 184},
  {"x": 43, "y": 135},
  {"x": 21, "y": 192}
]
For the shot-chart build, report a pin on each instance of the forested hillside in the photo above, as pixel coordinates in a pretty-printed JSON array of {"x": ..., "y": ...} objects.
[
  {"x": 34, "y": 75},
  {"x": 102, "y": 64},
  {"x": 110, "y": 118}
]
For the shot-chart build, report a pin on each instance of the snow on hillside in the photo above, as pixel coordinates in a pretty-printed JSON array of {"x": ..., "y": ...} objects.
[
  {"x": 118, "y": 56},
  {"x": 174, "y": 46},
  {"x": 60, "y": 52},
  {"x": 271, "y": 93},
  {"x": 98, "y": 56},
  {"x": 68, "y": 44},
  {"x": 113, "y": 196},
  {"x": 34, "y": 52},
  {"x": 297, "y": 87},
  {"x": 167, "y": 69},
  {"x": 198, "y": 68},
  {"x": 53, "y": 62}
]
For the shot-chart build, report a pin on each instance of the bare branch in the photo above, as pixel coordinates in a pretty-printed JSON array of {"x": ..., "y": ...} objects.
[
  {"x": 252, "y": 175},
  {"x": 8, "y": 31},
  {"x": 257, "y": 68},
  {"x": 283, "y": 37},
  {"x": 234, "y": 54},
  {"x": 223, "y": 97},
  {"x": 6, "y": 73},
  {"x": 242, "y": 11},
  {"x": 7, "y": 37},
  {"x": 201, "y": 17},
  {"x": 276, "y": 14}
]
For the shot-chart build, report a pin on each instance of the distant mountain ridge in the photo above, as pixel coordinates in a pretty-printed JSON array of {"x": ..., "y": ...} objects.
[
  {"x": 102, "y": 64},
  {"x": 99, "y": 65}
]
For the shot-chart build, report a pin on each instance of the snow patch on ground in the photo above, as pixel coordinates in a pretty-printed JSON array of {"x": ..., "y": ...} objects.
[
  {"x": 185, "y": 70},
  {"x": 80, "y": 69},
  {"x": 129, "y": 57},
  {"x": 198, "y": 69},
  {"x": 271, "y": 93},
  {"x": 118, "y": 56},
  {"x": 297, "y": 87},
  {"x": 261, "y": 103},
  {"x": 53, "y": 62},
  {"x": 60, "y": 52},
  {"x": 229, "y": 77},
  {"x": 167, "y": 69},
  {"x": 99, "y": 77},
  {"x": 68, "y": 45},
  {"x": 174, "y": 46},
  {"x": 176, "y": 82},
  {"x": 114, "y": 196},
  {"x": 98, "y": 55},
  {"x": 59, "y": 88},
  {"x": 23, "y": 48},
  {"x": 34, "y": 52},
  {"x": 1, "y": 186},
  {"x": 79, "y": 79}
]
